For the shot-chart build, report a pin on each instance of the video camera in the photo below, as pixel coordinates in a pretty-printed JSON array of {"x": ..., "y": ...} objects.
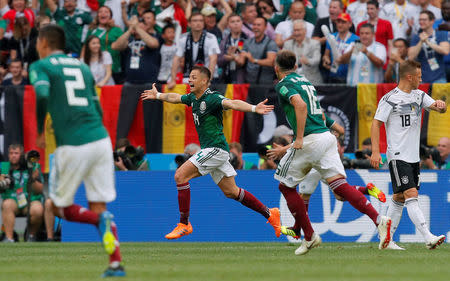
[{"x": 131, "y": 156}]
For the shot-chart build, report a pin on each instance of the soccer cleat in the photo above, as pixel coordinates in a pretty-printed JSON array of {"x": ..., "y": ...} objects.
[
  {"x": 290, "y": 232},
  {"x": 375, "y": 192},
  {"x": 180, "y": 230},
  {"x": 384, "y": 232},
  {"x": 104, "y": 226},
  {"x": 114, "y": 272},
  {"x": 393, "y": 246},
  {"x": 435, "y": 241},
  {"x": 275, "y": 221},
  {"x": 307, "y": 245}
]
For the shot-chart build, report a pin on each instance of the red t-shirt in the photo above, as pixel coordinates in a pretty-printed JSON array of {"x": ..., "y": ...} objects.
[
  {"x": 383, "y": 32},
  {"x": 10, "y": 17}
]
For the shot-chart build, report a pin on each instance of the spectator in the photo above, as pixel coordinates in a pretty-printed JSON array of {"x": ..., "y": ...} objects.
[
  {"x": 18, "y": 9},
  {"x": 400, "y": 14},
  {"x": 73, "y": 21},
  {"x": 115, "y": 5},
  {"x": 345, "y": 40},
  {"x": 169, "y": 11},
  {"x": 135, "y": 9},
  {"x": 167, "y": 52},
  {"x": 21, "y": 43},
  {"x": 444, "y": 152},
  {"x": 15, "y": 68},
  {"x": 383, "y": 28},
  {"x": 444, "y": 25},
  {"x": 284, "y": 132},
  {"x": 366, "y": 59},
  {"x": 268, "y": 10},
  {"x": 240, "y": 164},
  {"x": 358, "y": 11},
  {"x": 259, "y": 52},
  {"x": 15, "y": 198},
  {"x": 211, "y": 25},
  {"x": 142, "y": 58},
  {"x": 430, "y": 47},
  {"x": 284, "y": 29},
  {"x": 100, "y": 62},
  {"x": 197, "y": 47},
  {"x": 335, "y": 9},
  {"x": 307, "y": 52},
  {"x": 230, "y": 48},
  {"x": 399, "y": 54},
  {"x": 322, "y": 9},
  {"x": 249, "y": 14},
  {"x": 104, "y": 28},
  {"x": 425, "y": 5},
  {"x": 128, "y": 157}
]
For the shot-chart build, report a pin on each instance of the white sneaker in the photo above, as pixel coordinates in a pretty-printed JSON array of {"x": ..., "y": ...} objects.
[
  {"x": 393, "y": 246},
  {"x": 307, "y": 245},
  {"x": 384, "y": 232},
  {"x": 435, "y": 241}
]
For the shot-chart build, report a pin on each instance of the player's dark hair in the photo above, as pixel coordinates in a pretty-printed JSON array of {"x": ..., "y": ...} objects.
[
  {"x": 374, "y": 3},
  {"x": 286, "y": 60},
  {"x": 368, "y": 25},
  {"x": 429, "y": 13},
  {"x": 408, "y": 67},
  {"x": 203, "y": 70},
  {"x": 402, "y": 40},
  {"x": 54, "y": 35}
]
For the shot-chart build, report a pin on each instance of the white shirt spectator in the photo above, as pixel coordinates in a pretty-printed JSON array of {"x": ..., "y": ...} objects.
[
  {"x": 285, "y": 29},
  {"x": 398, "y": 16},
  {"x": 211, "y": 47},
  {"x": 98, "y": 68},
  {"x": 358, "y": 12},
  {"x": 362, "y": 70},
  {"x": 167, "y": 53},
  {"x": 116, "y": 7},
  {"x": 436, "y": 11},
  {"x": 322, "y": 8}
]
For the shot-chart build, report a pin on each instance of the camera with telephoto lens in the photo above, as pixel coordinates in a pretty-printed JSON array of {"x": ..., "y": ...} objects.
[
  {"x": 131, "y": 156},
  {"x": 6, "y": 181},
  {"x": 362, "y": 160},
  {"x": 181, "y": 158},
  {"x": 425, "y": 152}
]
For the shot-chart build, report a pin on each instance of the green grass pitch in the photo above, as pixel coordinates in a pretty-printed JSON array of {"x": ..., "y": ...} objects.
[{"x": 224, "y": 261}]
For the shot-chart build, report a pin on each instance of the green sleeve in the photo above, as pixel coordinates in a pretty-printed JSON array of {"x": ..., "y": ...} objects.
[
  {"x": 58, "y": 15},
  {"x": 286, "y": 92},
  {"x": 328, "y": 121},
  {"x": 41, "y": 82},
  {"x": 216, "y": 102},
  {"x": 186, "y": 99},
  {"x": 114, "y": 34}
]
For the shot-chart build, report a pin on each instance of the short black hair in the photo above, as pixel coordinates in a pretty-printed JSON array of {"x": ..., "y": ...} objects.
[
  {"x": 55, "y": 36},
  {"x": 374, "y": 3},
  {"x": 402, "y": 40},
  {"x": 16, "y": 60},
  {"x": 149, "y": 11},
  {"x": 430, "y": 15},
  {"x": 203, "y": 70},
  {"x": 261, "y": 17},
  {"x": 368, "y": 25},
  {"x": 286, "y": 60},
  {"x": 169, "y": 25}
]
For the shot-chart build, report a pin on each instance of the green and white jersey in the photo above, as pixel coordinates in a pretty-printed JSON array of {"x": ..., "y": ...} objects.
[
  {"x": 75, "y": 27},
  {"x": 208, "y": 118},
  {"x": 65, "y": 88},
  {"x": 294, "y": 84}
]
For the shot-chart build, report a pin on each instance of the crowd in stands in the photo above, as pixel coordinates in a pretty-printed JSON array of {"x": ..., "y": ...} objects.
[{"x": 143, "y": 41}]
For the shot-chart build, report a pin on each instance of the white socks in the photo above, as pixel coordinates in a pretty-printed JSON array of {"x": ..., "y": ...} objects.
[
  {"x": 416, "y": 216},
  {"x": 395, "y": 211}
]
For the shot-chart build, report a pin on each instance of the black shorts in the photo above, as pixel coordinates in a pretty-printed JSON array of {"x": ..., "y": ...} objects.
[{"x": 404, "y": 175}]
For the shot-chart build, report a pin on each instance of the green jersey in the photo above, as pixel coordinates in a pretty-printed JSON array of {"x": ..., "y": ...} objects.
[
  {"x": 65, "y": 88},
  {"x": 75, "y": 27},
  {"x": 294, "y": 84},
  {"x": 208, "y": 118}
]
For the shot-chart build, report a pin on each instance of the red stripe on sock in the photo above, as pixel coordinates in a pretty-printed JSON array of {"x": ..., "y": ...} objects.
[
  {"x": 76, "y": 213},
  {"x": 297, "y": 207},
  {"x": 115, "y": 257},
  {"x": 355, "y": 198}
]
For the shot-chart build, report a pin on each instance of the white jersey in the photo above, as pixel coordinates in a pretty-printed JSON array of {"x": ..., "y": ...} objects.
[
  {"x": 357, "y": 12},
  {"x": 402, "y": 114},
  {"x": 362, "y": 70}
]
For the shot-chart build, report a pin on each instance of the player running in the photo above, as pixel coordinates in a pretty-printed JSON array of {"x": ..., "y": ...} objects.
[
  {"x": 65, "y": 88},
  {"x": 401, "y": 111},
  {"x": 308, "y": 185},
  {"x": 207, "y": 110},
  {"x": 313, "y": 147}
]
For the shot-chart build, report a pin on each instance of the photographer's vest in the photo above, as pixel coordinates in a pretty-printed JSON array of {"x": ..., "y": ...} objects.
[{"x": 19, "y": 191}]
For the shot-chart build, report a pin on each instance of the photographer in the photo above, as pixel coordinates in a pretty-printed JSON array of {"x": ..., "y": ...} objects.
[
  {"x": 17, "y": 176},
  {"x": 128, "y": 157},
  {"x": 189, "y": 150}
]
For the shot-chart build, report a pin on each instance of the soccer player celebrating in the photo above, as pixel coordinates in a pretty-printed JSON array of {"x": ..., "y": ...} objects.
[
  {"x": 314, "y": 147},
  {"x": 65, "y": 88},
  {"x": 207, "y": 110},
  {"x": 401, "y": 111}
]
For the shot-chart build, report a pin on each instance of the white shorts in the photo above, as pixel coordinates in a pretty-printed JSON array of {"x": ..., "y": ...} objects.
[
  {"x": 319, "y": 152},
  {"x": 92, "y": 163},
  {"x": 309, "y": 184},
  {"x": 213, "y": 161}
]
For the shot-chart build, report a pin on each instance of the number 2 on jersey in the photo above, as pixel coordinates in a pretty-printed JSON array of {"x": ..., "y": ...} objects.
[
  {"x": 72, "y": 85},
  {"x": 313, "y": 102}
]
